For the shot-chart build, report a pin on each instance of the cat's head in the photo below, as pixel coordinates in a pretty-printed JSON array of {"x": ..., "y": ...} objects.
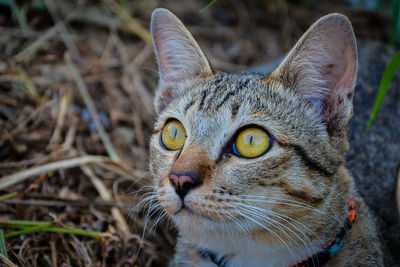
[{"x": 231, "y": 150}]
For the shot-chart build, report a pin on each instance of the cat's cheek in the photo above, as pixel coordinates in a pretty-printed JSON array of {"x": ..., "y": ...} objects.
[
  {"x": 160, "y": 161},
  {"x": 170, "y": 201}
]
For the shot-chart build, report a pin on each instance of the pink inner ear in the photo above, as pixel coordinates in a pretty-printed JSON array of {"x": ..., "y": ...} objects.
[
  {"x": 349, "y": 70},
  {"x": 340, "y": 78},
  {"x": 328, "y": 59},
  {"x": 339, "y": 72},
  {"x": 332, "y": 73}
]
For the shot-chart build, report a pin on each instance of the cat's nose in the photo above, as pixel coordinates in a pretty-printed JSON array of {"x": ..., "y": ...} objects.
[{"x": 183, "y": 182}]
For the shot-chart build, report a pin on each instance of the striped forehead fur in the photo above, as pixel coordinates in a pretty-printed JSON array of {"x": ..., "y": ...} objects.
[{"x": 294, "y": 119}]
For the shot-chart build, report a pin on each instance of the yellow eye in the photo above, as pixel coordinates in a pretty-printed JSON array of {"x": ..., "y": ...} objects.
[
  {"x": 173, "y": 135},
  {"x": 251, "y": 143}
]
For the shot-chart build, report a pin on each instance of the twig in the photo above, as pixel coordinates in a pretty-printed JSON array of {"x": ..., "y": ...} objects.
[
  {"x": 18, "y": 32},
  {"x": 132, "y": 69},
  {"x": 30, "y": 86},
  {"x": 37, "y": 182},
  {"x": 81, "y": 250},
  {"x": 132, "y": 83},
  {"x": 30, "y": 50},
  {"x": 18, "y": 177},
  {"x": 93, "y": 111},
  {"x": 21, "y": 125},
  {"x": 105, "y": 194},
  {"x": 133, "y": 174},
  {"x": 6, "y": 99},
  {"x": 398, "y": 190},
  {"x": 71, "y": 203},
  {"x": 8, "y": 196},
  {"x": 22, "y": 163},
  {"x": 60, "y": 25},
  {"x": 60, "y": 117},
  {"x": 130, "y": 22},
  {"x": 72, "y": 51},
  {"x": 101, "y": 20},
  {"x": 70, "y": 135},
  {"x": 7, "y": 262},
  {"x": 53, "y": 252}
]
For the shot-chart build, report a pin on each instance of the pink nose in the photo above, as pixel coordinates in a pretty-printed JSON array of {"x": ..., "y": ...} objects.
[
  {"x": 183, "y": 183},
  {"x": 180, "y": 180}
]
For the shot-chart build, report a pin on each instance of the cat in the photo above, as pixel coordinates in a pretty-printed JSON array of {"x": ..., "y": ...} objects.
[{"x": 250, "y": 167}]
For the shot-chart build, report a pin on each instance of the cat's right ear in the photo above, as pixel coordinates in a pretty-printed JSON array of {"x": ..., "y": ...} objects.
[
  {"x": 322, "y": 67},
  {"x": 179, "y": 57}
]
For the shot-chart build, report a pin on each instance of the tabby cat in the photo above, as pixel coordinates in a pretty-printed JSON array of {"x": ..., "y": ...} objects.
[{"x": 249, "y": 167}]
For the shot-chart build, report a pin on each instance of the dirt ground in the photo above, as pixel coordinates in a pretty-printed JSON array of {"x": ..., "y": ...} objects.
[{"x": 76, "y": 85}]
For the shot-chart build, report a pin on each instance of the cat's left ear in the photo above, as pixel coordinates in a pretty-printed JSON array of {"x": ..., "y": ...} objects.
[
  {"x": 322, "y": 67},
  {"x": 179, "y": 57}
]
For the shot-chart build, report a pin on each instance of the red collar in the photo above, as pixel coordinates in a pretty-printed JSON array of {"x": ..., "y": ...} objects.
[{"x": 322, "y": 256}]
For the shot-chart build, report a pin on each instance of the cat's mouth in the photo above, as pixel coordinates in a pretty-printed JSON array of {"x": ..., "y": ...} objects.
[
  {"x": 186, "y": 211},
  {"x": 185, "y": 208}
]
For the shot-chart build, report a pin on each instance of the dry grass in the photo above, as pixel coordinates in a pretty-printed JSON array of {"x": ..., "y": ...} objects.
[{"x": 76, "y": 87}]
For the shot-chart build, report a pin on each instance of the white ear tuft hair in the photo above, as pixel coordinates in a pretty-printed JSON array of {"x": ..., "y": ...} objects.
[
  {"x": 179, "y": 57},
  {"x": 322, "y": 67}
]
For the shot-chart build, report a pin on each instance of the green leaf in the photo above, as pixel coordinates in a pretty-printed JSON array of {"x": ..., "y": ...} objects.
[
  {"x": 3, "y": 248},
  {"x": 208, "y": 6},
  {"x": 8, "y": 196},
  {"x": 26, "y": 227},
  {"x": 395, "y": 22},
  {"x": 387, "y": 77},
  {"x": 35, "y": 4},
  {"x": 73, "y": 231},
  {"x": 18, "y": 223},
  {"x": 28, "y": 230},
  {"x": 38, "y": 4}
]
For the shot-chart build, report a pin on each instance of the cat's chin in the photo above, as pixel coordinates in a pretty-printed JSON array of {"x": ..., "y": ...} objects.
[{"x": 188, "y": 219}]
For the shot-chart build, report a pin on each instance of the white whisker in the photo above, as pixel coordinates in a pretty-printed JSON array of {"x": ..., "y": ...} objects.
[
  {"x": 259, "y": 212},
  {"x": 327, "y": 202},
  {"x": 240, "y": 212},
  {"x": 307, "y": 207}
]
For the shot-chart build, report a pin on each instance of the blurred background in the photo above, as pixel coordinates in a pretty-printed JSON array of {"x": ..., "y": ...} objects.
[{"x": 77, "y": 80}]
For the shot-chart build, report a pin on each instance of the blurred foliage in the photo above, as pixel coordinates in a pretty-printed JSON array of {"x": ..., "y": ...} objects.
[
  {"x": 3, "y": 248},
  {"x": 392, "y": 67},
  {"x": 395, "y": 22},
  {"x": 387, "y": 77},
  {"x": 26, "y": 227}
]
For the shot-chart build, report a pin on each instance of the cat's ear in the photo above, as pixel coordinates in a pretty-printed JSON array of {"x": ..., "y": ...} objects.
[
  {"x": 322, "y": 67},
  {"x": 179, "y": 57}
]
